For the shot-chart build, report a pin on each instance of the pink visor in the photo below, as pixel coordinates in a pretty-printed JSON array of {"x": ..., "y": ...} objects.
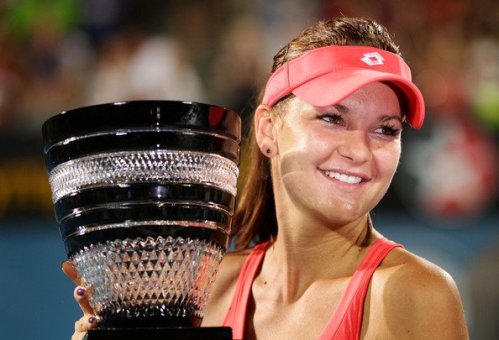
[{"x": 325, "y": 76}]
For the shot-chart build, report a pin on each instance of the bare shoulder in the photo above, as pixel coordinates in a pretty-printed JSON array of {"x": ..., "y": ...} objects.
[
  {"x": 419, "y": 299},
  {"x": 229, "y": 271},
  {"x": 224, "y": 287}
]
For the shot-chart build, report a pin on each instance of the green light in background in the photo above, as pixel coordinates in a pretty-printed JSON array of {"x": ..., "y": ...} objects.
[{"x": 486, "y": 104}]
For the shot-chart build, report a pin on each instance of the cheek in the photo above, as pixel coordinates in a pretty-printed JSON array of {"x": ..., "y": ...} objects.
[
  {"x": 388, "y": 160},
  {"x": 299, "y": 150}
]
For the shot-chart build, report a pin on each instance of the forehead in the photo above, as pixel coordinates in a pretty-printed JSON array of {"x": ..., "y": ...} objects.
[
  {"x": 376, "y": 97},
  {"x": 383, "y": 93}
]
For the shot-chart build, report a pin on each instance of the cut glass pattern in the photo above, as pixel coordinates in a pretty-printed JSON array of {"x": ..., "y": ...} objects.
[
  {"x": 148, "y": 276},
  {"x": 143, "y": 166}
]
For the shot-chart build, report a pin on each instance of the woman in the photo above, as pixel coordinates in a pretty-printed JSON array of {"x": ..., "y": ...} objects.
[{"x": 327, "y": 142}]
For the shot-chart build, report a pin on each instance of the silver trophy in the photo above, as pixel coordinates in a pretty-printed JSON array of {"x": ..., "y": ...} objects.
[{"x": 144, "y": 193}]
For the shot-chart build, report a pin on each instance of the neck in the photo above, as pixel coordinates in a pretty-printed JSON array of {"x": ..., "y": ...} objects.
[{"x": 304, "y": 254}]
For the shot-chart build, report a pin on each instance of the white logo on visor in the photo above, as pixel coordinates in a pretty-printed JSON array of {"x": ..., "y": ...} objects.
[{"x": 373, "y": 58}]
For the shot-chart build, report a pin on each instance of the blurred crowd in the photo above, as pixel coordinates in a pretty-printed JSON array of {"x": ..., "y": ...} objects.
[{"x": 60, "y": 54}]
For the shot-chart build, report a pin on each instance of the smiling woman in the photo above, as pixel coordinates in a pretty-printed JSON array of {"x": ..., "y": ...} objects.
[
  {"x": 324, "y": 148},
  {"x": 334, "y": 164}
]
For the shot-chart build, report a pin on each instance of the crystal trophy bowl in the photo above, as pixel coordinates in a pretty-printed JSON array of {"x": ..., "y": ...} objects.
[{"x": 144, "y": 193}]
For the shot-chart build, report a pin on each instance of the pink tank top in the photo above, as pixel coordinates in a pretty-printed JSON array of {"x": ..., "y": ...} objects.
[{"x": 345, "y": 323}]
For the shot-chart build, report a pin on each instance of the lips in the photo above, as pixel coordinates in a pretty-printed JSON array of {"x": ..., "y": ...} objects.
[{"x": 349, "y": 179}]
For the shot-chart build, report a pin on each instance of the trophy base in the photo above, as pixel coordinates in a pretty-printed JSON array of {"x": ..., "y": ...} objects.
[{"x": 170, "y": 333}]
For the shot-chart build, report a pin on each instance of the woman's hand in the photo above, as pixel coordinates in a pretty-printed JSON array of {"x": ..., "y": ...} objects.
[{"x": 81, "y": 295}]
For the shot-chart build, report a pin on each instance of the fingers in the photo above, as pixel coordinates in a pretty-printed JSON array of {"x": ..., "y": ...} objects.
[
  {"x": 86, "y": 323},
  {"x": 81, "y": 295},
  {"x": 88, "y": 320},
  {"x": 69, "y": 270},
  {"x": 83, "y": 325}
]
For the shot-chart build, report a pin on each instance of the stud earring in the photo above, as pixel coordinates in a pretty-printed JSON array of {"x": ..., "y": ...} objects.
[{"x": 267, "y": 150}]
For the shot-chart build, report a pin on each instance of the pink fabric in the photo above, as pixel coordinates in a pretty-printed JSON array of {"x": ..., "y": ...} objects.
[
  {"x": 345, "y": 323},
  {"x": 326, "y": 75},
  {"x": 236, "y": 315}
]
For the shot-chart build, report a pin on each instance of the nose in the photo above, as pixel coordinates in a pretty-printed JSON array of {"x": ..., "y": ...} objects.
[{"x": 355, "y": 146}]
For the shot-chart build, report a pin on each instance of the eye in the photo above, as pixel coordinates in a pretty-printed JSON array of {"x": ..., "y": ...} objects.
[
  {"x": 388, "y": 130},
  {"x": 332, "y": 118}
]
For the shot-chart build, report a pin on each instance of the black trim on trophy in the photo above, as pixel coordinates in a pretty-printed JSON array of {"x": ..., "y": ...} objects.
[
  {"x": 154, "y": 193},
  {"x": 143, "y": 141},
  {"x": 79, "y": 242},
  {"x": 130, "y": 213},
  {"x": 133, "y": 114},
  {"x": 173, "y": 333}
]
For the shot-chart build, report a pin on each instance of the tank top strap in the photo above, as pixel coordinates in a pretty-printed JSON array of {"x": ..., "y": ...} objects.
[
  {"x": 236, "y": 315},
  {"x": 346, "y": 322}
]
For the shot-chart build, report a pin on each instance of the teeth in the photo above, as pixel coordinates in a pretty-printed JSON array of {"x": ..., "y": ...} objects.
[{"x": 343, "y": 177}]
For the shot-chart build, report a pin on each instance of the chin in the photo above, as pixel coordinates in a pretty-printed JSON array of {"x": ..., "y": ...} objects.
[{"x": 344, "y": 214}]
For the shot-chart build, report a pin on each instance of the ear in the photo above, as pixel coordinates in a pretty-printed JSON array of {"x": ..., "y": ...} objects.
[{"x": 264, "y": 122}]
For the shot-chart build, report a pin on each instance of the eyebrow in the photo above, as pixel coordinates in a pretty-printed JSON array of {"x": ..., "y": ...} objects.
[
  {"x": 390, "y": 117},
  {"x": 341, "y": 108},
  {"x": 345, "y": 109}
]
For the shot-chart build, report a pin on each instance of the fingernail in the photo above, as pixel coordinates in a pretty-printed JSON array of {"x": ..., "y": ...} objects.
[
  {"x": 91, "y": 319},
  {"x": 80, "y": 291}
]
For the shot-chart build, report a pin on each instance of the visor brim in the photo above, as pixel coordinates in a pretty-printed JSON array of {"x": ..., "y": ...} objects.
[{"x": 331, "y": 88}]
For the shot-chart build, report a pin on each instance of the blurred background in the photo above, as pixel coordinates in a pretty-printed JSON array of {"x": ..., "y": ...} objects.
[{"x": 60, "y": 54}]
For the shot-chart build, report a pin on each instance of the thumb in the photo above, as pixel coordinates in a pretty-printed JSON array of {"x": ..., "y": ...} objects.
[{"x": 70, "y": 271}]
